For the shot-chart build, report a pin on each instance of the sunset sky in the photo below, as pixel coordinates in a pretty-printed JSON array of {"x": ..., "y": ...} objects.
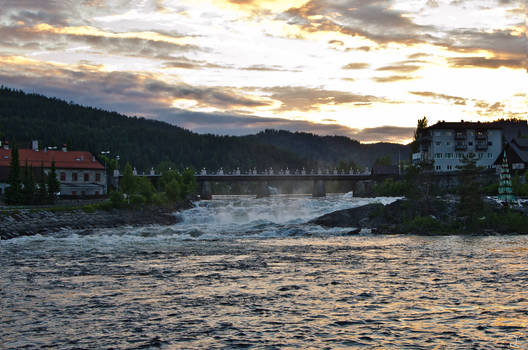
[{"x": 367, "y": 69}]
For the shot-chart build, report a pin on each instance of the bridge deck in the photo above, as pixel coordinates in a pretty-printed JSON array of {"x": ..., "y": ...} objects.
[{"x": 293, "y": 177}]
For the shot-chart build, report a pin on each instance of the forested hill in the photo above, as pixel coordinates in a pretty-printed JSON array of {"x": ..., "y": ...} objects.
[
  {"x": 145, "y": 143},
  {"x": 330, "y": 150}
]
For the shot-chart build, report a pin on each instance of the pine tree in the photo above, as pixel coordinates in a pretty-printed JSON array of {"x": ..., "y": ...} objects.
[
  {"x": 14, "y": 191},
  {"x": 53, "y": 183},
  {"x": 42, "y": 192},
  {"x": 505, "y": 184},
  {"x": 28, "y": 191},
  {"x": 471, "y": 204}
]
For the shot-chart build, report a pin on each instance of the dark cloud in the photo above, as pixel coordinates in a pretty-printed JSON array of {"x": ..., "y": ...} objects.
[
  {"x": 455, "y": 99},
  {"x": 19, "y": 36},
  {"x": 418, "y": 55},
  {"x": 244, "y": 125},
  {"x": 393, "y": 78},
  {"x": 500, "y": 42},
  {"x": 375, "y": 20},
  {"x": 356, "y": 65},
  {"x": 336, "y": 42},
  {"x": 460, "y": 62},
  {"x": 305, "y": 99},
  {"x": 186, "y": 63},
  {"x": 401, "y": 68},
  {"x": 144, "y": 95},
  {"x": 126, "y": 92},
  {"x": 31, "y": 12},
  {"x": 264, "y": 68}
]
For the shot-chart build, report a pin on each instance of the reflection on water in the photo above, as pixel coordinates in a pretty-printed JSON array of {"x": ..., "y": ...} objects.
[{"x": 228, "y": 287}]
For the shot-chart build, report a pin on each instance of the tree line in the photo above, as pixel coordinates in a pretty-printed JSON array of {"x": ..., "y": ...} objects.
[
  {"x": 29, "y": 189},
  {"x": 146, "y": 143}
]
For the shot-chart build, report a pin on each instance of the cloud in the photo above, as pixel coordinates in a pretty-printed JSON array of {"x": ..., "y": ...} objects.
[
  {"x": 455, "y": 99},
  {"x": 356, "y": 65},
  {"x": 393, "y": 78},
  {"x": 483, "y": 62},
  {"x": 245, "y": 125},
  {"x": 127, "y": 92},
  {"x": 499, "y": 42},
  {"x": 305, "y": 99},
  {"x": 374, "y": 20},
  {"x": 55, "y": 38},
  {"x": 401, "y": 68}
]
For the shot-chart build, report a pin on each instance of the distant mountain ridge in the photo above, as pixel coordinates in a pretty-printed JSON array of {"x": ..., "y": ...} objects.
[{"x": 145, "y": 142}]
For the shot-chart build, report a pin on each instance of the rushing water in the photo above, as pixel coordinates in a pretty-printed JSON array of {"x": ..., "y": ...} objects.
[{"x": 245, "y": 273}]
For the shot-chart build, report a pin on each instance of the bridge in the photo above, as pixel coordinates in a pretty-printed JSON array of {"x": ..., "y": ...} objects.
[{"x": 265, "y": 178}]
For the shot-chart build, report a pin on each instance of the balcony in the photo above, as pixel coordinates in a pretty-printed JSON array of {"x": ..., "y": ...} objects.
[
  {"x": 460, "y": 135},
  {"x": 460, "y": 146},
  {"x": 481, "y": 135},
  {"x": 482, "y": 145}
]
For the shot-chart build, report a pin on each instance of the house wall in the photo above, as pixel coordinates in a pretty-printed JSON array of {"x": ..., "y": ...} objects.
[
  {"x": 443, "y": 150},
  {"x": 81, "y": 187}
]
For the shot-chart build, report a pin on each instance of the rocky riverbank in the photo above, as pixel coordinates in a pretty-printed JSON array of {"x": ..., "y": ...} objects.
[
  {"x": 26, "y": 222},
  {"x": 439, "y": 216}
]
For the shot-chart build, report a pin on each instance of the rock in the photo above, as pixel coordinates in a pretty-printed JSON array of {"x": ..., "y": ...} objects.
[{"x": 354, "y": 217}]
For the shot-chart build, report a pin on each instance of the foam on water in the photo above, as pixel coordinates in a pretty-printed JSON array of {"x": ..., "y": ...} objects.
[{"x": 224, "y": 217}]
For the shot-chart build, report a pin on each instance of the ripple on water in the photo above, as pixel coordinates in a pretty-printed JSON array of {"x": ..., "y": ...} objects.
[{"x": 268, "y": 281}]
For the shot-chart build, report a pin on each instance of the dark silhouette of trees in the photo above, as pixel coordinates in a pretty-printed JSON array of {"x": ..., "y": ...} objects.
[
  {"x": 14, "y": 191},
  {"x": 53, "y": 183},
  {"x": 146, "y": 143}
]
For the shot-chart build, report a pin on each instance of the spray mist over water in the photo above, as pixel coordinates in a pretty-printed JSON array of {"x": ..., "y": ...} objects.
[{"x": 225, "y": 217}]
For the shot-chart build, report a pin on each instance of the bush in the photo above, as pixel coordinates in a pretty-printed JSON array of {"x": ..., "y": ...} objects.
[
  {"x": 117, "y": 199},
  {"x": 160, "y": 199},
  {"x": 89, "y": 208},
  {"x": 137, "y": 200}
]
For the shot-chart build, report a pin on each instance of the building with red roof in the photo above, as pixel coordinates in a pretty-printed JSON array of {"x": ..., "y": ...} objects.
[{"x": 78, "y": 172}]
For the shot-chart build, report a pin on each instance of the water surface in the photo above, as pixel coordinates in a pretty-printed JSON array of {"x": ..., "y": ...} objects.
[{"x": 246, "y": 273}]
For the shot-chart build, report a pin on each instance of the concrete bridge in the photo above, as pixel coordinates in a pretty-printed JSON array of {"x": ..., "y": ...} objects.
[{"x": 264, "y": 179}]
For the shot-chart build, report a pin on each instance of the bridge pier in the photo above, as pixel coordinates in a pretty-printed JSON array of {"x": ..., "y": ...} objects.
[
  {"x": 263, "y": 189},
  {"x": 319, "y": 189},
  {"x": 205, "y": 190}
]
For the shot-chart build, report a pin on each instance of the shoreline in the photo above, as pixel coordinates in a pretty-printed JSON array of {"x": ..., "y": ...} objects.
[{"x": 29, "y": 222}]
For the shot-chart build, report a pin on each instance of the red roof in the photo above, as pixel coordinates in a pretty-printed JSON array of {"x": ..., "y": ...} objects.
[{"x": 63, "y": 160}]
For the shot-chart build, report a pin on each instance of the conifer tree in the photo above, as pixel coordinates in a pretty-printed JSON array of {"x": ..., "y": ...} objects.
[
  {"x": 53, "y": 183},
  {"x": 42, "y": 192},
  {"x": 14, "y": 191},
  {"x": 471, "y": 203},
  {"x": 28, "y": 191}
]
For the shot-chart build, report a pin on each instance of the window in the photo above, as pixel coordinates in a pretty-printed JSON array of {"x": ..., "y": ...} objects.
[
  {"x": 86, "y": 177},
  {"x": 490, "y": 143},
  {"x": 481, "y": 155},
  {"x": 470, "y": 143},
  {"x": 63, "y": 176},
  {"x": 448, "y": 143},
  {"x": 460, "y": 155},
  {"x": 449, "y": 167},
  {"x": 448, "y": 155},
  {"x": 97, "y": 177},
  {"x": 490, "y": 155},
  {"x": 437, "y": 133},
  {"x": 438, "y": 167},
  {"x": 438, "y": 143},
  {"x": 74, "y": 176},
  {"x": 438, "y": 155}
]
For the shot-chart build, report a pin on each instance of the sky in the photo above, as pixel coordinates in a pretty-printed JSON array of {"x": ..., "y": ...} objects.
[{"x": 367, "y": 69}]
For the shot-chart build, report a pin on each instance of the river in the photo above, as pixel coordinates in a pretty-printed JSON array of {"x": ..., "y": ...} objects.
[{"x": 240, "y": 272}]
